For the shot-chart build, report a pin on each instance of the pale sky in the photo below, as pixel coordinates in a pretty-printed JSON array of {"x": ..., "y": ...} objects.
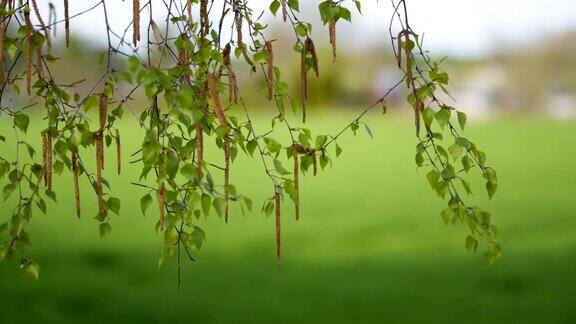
[{"x": 454, "y": 27}]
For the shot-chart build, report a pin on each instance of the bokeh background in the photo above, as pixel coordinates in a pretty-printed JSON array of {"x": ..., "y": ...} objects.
[{"x": 371, "y": 246}]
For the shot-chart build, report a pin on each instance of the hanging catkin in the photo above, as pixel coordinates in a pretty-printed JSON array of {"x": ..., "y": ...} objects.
[
  {"x": 28, "y": 49},
  {"x": 204, "y": 22},
  {"x": 303, "y": 83},
  {"x": 284, "y": 10},
  {"x": 102, "y": 113},
  {"x": 312, "y": 50},
  {"x": 74, "y": 162},
  {"x": 332, "y": 35},
  {"x": 212, "y": 88},
  {"x": 47, "y": 159},
  {"x": 2, "y": 32},
  {"x": 269, "y": 69},
  {"x": 67, "y": 22},
  {"x": 189, "y": 10},
  {"x": 238, "y": 19},
  {"x": 418, "y": 104},
  {"x": 199, "y": 150},
  {"x": 42, "y": 24},
  {"x": 296, "y": 185},
  {"x": 277, "y": 214},
  {"x": 232, "y": 83},
  {"x": 136, "y": 21},
  {"x": 160, "y": 193},
  {"x": 118, "y": 152}
]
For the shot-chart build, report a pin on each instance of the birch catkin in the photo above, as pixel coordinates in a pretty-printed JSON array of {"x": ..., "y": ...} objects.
[
  {"x": 270, "y": 69},
  {"x": 42, "y": 24},
  {"x": 296, "y": 185},
  {"x": 199, "y": 150},
  {"x": 284, "y": 10},
  {"x": 136, "y": 21},
  {"x": 332, "y": 35},
  {"x": 204, "y": 22},
  {"x": 118, "y": 152},
  {"x": 160, "y": 193},
  {"x": 2, "y": 35},
  {"x": 212, "y": 88},
  {"x": 102, "y": 113},
  {"x": 28, "y": 50},
  {"x": 232, "y": 83},
  {"x": 47, "y": 159},
  {"x": 303, "y": 83},
  {"x": 277, "y": 213},
  {"x": 74, "y": 163},
  {"x": 67, "y": 22}
]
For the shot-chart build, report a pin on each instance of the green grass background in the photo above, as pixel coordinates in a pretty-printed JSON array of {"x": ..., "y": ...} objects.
[{"x": 370, "y": 248}]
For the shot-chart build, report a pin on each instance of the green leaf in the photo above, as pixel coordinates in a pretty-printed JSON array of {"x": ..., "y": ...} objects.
[
  {"x": 320, "y": 141},
  {"x": 219, "y": 205},
  {"x": 145, "y": 203},
  {"x": 279, "y": 168},
  {"x": 442, "y": 116},
  {"x": 30, "y": 268},
  {"x": 205, "y": 201},
  {"x": 433, "y": 177},
  {"x": 113, "y": 204},
  {"x": 338, "y": 150},
  {"x": 22, "y": 121},
  {"x": 104, "y": 229},
  {"x": 462, "y": 119},
  {"x": 491, "y": 188}
]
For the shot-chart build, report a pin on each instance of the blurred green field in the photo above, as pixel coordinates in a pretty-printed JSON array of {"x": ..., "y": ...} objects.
[{"x": 371, "y": 247}]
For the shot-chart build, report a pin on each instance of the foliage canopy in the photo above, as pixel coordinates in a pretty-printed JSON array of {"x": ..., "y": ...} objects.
[{"x": 187, "y": 71}]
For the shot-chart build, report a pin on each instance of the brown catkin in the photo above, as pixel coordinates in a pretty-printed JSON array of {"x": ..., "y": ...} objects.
[
  {"x": 199, "y": 150},
  {"x": 118, "y": 152},
  {"x": 99, "y": 137},
  {"x": 232, "y": 83},
  {"x": 160, "y": 193},
  {"x": 269, "y": 69},
  {"x": 332, "y": 35},
  {"x": 102, "y": 115},
  {"x": 238, "y": 19},
  {"x": 42, "y": 24},
  {"x": 67, "y": 22},
  {"x": 2, "y": 35},
  {"x": 189, "y": 9},
  {"x": 312, "y": 50},
  {"x": 204, "y": 22},
  {"x": 284, "y": 10},
  {"x": 296, "y": 185},
  {"x": 74, "y": 163},
  {"x": 212, "y": 88},
  {"x": 277, "y": 213},
  {"x": 28, "y": 50},
  {"x": 99, "y": 167},
  {"x": 47, "y": 159},
  {"x": 136, "y": 21}
]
